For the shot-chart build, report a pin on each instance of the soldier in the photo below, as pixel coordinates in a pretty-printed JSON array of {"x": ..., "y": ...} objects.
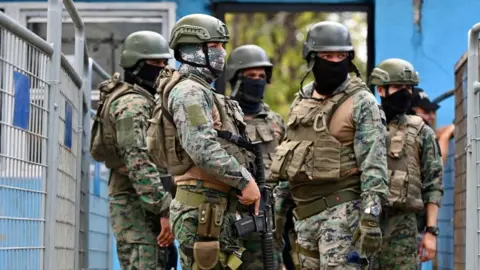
[
  {"x": 138, "y": 201},
  {"x": 194, "y": 137},
  {"x": 333, "y": 157},
  {"x": 248, "y": 71},
  {"x": 415, "y": 171}
]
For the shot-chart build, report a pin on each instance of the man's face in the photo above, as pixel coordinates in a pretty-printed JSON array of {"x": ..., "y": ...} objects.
[
  {"x": 333, "y": 56},
  {"x": 427, "y": 116},
  {"x": 157, "y": 62},
  {"x": 257, "y": 73}
]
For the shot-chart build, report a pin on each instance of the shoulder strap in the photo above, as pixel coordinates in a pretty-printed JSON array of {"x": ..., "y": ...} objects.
[
  {"x": 164, "y": 100},
  {"x": 415, "y": 124},
  {"x": 339, "y": 99}
]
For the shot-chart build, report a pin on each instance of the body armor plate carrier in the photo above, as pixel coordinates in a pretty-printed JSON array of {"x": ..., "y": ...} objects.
[
  {"x": 163, "y": 143},
  {"x": 404, "y": 164},
  {"x": 316, "y": 163}
]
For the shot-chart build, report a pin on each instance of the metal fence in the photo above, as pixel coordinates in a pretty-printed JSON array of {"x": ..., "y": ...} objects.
[
  {"x": 100, "y": 236},
  {"x": 472, "y": 230},
  {"x": 45, "y": 172}
]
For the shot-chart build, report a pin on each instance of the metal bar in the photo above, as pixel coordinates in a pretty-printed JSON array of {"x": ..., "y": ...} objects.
[
  {"x": 444, "y": 96},
  {"x": 70, "y": 70},
  {"x": 73, "y": 12},
  {"x": 471, "y": 227},
  {"x": 25, "y": 34},
  {"x": 86, "y": 159},
  {"x": 79, "y": 35},
  {"x": 54, "y": 36},
  {"x": 476, "y": 87},
  {"x": 99, "y": 70}
]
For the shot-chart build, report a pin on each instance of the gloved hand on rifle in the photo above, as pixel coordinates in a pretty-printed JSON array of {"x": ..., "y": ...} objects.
[{"x": 369, "y": 235}]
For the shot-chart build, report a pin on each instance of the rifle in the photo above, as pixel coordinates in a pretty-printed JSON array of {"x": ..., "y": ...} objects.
[{"x": 264, "y": 222}]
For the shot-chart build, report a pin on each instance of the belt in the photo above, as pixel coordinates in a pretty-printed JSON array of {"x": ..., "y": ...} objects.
[
  {"x": 201, "y": 183},
  {"x": 307, "y": 210}
]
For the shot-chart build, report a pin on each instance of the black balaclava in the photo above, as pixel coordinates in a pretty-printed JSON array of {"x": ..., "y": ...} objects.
[
  {"x": 144, "y": 75},
  {"x": 249, "y": 93},
  {"x": 396, "y": 104},
  {"x": 329, "y": 75}
]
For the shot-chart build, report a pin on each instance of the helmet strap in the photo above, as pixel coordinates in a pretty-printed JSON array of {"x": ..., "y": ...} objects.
[
  {"x": 310, "y": 63},
  {"x": 236, "y": 87},
  {"x": 137, "y": 78}
]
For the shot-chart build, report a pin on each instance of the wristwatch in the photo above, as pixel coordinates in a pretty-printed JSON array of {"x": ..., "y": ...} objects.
[
  {"x": 433, "y": 230},
  {"x": 373, "y": 210}
]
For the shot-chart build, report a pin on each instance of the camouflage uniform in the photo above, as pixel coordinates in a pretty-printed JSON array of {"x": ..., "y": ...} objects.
[
  {"x": 333, "y": 181},
  {"x": 263, "y": 125},
  {"x": 207, "y": 168},
  {"x": 137, "y": 197},
  {"x": 413, "y": 154}
]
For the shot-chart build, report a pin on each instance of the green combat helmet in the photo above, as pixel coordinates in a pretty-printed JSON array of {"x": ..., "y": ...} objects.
[
  {"x": 327, "y": 37},
  {"x": 198, "y": 29},
  {"x": 394, "y": 71},
  {"x": 247, "y": 56},
  {"x": 143, "y": 45}
]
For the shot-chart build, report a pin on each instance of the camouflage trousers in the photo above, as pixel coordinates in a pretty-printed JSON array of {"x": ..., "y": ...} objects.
[
  {"x": 400, "y": 246},
  {"x": 137, "y": 247},
  {"x": 184, "y": 221},
  {"x": 329, "y": 233}
]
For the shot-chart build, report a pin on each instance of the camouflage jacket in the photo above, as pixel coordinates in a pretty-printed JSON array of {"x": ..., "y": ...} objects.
[{"x": 130, "y": 115}]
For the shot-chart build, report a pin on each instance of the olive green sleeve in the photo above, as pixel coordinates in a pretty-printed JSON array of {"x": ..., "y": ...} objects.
[{"x": 431, "y": 167}]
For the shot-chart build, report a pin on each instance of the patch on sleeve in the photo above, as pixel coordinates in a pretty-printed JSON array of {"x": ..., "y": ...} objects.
[
  {"x": 196, "y": 115},
  {"x": 125, "y": 132}
]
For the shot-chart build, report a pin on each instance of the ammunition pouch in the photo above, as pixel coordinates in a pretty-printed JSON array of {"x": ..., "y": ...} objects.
[
  {"x": 206, "y": 251},
  {"x": 206, "y": 254},
  {"x": 210, "y": 219},
  {"x": 229, "y": 258}
]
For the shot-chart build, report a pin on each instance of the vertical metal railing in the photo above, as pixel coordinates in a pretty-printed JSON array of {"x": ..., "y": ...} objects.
[
  {"x": 24, "y": 86},
  {"x": 472, "y": 230},
  {"x": 99, "y": 229},
  {"x": 44, "y": 159}
]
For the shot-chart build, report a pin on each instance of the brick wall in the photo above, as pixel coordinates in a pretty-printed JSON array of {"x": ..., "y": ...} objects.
[
  {"x": 460, "y": 160},
  {"x": 460, "y": 164}
]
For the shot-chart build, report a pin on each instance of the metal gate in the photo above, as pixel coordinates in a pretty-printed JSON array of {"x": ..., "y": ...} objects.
[
  {"x": 472, "y": 230},
  {"x": 45, "y": 116}
]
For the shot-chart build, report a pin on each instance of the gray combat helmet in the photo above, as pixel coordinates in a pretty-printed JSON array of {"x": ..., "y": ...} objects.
[
  {"x": 143, "y": 45},
  {"x": 247, "y": 56},
  {"x": 198, "y": 29},
  {"x": 394, "y": 71},
  {"x": 327, "y": 36}
]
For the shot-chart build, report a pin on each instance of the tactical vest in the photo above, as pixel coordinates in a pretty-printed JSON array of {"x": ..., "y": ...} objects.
[
  {"x": 404, "y": 164},
  {"x": 259, "y": 128},
  {"x": 164, "y": 146},
  {"x": 315, "y": 163},
  {"x": 103, "y": 143}
]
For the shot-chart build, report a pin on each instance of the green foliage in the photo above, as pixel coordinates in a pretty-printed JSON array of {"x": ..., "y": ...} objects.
[{"x": 282, "y": 35}]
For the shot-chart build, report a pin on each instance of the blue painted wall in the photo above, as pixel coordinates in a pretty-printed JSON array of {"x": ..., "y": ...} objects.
[{"x": 433, "y": 51}]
